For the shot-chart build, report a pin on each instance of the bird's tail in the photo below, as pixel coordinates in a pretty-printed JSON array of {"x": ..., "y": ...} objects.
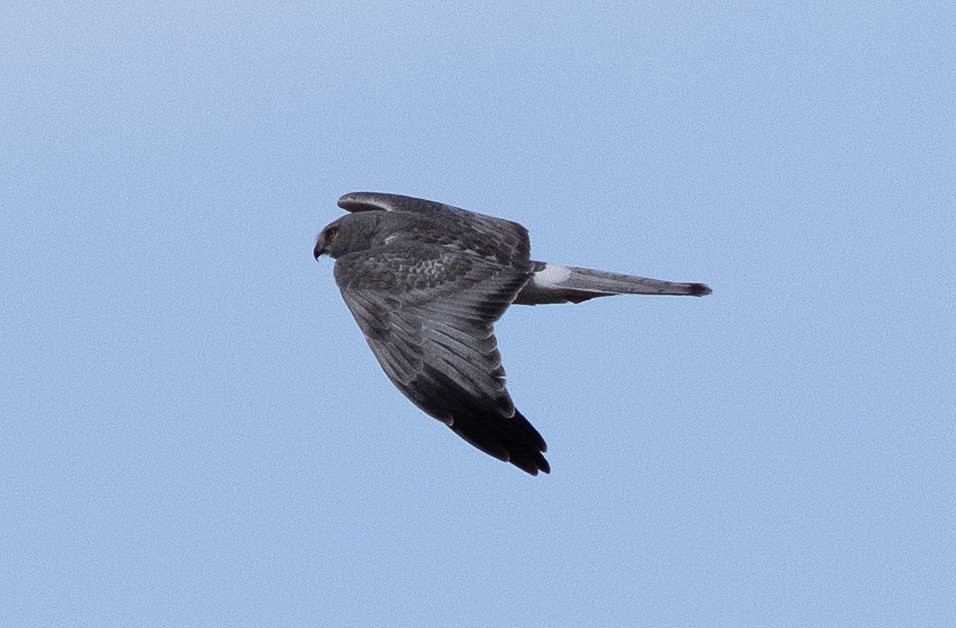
[{"x": 552, "y": 283}]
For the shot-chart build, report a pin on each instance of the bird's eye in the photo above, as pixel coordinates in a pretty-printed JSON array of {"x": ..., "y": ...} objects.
[{"x": 324, "y": 241}]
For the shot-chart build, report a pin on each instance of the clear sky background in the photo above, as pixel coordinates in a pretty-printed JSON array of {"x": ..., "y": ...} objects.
[{"x": 195, "y": 432}]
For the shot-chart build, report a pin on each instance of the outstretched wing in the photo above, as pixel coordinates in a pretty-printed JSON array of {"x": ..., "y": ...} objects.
[
  {"x": 427, "y": 312},
  {"x": 504, "y": 240}
]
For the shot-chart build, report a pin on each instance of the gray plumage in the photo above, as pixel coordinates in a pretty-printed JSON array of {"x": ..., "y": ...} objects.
[{"x": 426, "y": 282}]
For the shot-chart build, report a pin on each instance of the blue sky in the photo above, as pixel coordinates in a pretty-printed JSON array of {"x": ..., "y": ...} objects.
[{"x": 194, "y": 431}]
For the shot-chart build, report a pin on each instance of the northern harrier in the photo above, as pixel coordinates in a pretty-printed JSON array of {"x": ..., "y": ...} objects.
[{"x": 426, "y": 282}]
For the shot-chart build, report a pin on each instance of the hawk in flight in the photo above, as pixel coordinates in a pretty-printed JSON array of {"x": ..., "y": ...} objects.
[{"x": 426, "y": 282}]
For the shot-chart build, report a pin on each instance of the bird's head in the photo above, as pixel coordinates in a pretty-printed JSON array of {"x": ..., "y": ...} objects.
[
  {"x": 324, "y": 240},
  {"x": 352, "y": 232}
]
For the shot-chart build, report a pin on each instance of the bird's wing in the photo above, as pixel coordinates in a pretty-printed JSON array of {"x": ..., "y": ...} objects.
[
  {"x": 427, "y": 312},
  {"x": 504, "y": 240}
]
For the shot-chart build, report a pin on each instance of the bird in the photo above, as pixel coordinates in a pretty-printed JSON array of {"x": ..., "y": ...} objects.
[{"x": 426, "y": 282}]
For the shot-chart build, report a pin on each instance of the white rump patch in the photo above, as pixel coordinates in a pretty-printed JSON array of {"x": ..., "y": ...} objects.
[{"x": 552, "y": 276}]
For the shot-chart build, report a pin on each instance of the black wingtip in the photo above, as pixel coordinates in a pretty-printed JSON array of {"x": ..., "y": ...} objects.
[
  {"x": 510, "y": 439},
  {"x": 530, "y": 461},
  {"x": 536, "y": 465},
  {"x": 699, "y": 289}
]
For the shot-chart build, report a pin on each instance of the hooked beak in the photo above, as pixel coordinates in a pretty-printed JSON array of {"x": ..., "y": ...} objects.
[{"x": 319, "y": 248}]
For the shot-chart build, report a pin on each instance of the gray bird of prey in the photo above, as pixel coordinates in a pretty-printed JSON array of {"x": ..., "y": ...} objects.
[{"x": 426, "y": 282}]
